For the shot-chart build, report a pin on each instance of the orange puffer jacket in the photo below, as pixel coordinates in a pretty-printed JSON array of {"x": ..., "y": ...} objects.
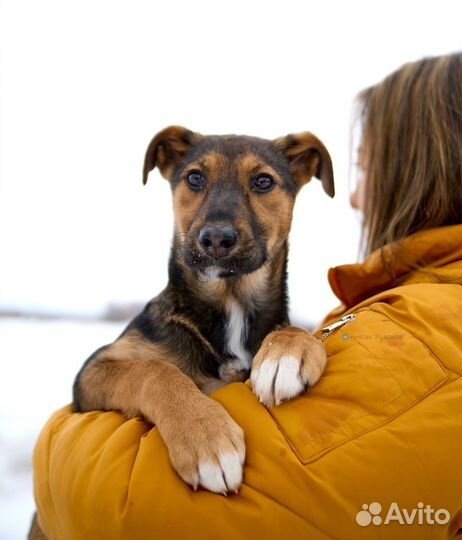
[{"x": 373, "y": 451}]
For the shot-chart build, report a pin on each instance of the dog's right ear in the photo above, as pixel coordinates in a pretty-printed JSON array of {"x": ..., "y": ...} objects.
[{"x": 167, "y": 149}]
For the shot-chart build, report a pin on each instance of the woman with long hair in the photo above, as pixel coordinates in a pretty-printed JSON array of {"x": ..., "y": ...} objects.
[{"x": 374, "y": 449}]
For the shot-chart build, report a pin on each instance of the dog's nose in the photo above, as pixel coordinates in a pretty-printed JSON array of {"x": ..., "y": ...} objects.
[{"x": 217, "y": 241}]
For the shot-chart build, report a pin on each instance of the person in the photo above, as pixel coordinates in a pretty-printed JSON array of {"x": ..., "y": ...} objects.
[{"x": 373, "y": 450}]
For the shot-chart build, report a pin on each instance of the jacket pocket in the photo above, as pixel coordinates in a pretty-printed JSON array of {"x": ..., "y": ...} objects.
[{"x": 375, "y": 371}]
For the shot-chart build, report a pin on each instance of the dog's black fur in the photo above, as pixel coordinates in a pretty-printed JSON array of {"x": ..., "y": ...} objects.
[
  {"x": 247, "y": 186},
  {"x": 225, "y": 202}
]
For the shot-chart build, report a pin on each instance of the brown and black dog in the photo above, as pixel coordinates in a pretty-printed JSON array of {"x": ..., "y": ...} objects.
[{"x": 224, "y": 310}]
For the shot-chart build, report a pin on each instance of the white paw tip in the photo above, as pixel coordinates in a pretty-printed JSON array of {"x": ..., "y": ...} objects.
[
  {"x": 263, "y": 377},
  {"x": 288, "y": 383},
  {"x": 231, "y": 466},
  {"x": 227, "y": 475},
  {"x": 211, "y": 477}
]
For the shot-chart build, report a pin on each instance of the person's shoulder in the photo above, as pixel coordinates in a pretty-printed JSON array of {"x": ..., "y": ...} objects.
[{"x": 429, "y": 314}]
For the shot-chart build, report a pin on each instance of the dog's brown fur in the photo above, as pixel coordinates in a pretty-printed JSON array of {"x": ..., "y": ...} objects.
[{"x": 183, "y": 341}]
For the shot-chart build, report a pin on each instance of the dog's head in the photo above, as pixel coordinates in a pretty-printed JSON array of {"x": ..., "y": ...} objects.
[{"x": 233, "y": 196}]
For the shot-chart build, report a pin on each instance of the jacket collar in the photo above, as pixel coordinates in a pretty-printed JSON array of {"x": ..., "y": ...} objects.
[{"x": 433, "y": 248}]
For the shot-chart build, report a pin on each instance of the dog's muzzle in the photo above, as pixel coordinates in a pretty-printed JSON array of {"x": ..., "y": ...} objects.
[{"x": 218, "y": 241}]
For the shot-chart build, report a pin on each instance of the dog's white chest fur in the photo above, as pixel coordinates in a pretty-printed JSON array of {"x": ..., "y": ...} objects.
[{"x": 236, "y": 332}]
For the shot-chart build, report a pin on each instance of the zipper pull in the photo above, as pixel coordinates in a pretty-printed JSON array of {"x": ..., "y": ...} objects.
[{"x": 334, "y": 326}]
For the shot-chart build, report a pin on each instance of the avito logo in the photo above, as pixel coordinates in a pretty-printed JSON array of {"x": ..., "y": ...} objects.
[{"x": 422, "y": 514}]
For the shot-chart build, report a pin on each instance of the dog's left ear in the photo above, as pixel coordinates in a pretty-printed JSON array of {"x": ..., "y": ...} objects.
[
  {"x": 167, "y": 149},
  {"x": 307, "y": 157}
]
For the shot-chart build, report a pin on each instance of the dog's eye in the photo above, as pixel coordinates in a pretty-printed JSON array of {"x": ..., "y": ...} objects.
[
  {"x": 262, "y": 183},
  {"x": 196, "y": 180}
]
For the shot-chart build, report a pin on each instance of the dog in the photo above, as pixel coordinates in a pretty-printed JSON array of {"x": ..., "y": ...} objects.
[{"x": 224, "y": 312}]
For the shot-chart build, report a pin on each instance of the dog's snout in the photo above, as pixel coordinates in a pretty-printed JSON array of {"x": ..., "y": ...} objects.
[{"x": 218, "y": 241}]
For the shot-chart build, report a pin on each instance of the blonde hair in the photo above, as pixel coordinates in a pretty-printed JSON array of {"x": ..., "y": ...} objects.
[{"x": 412, "y": 146}]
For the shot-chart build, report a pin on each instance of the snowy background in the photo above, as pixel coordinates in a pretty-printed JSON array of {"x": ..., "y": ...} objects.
[{"x": 83, "y": 87}]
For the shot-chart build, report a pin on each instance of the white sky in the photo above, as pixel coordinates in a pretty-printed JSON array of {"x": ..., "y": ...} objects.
[{"x": 85, "y": 85}]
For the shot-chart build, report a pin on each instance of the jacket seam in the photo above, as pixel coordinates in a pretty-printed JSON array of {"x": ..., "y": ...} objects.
[{"x": 443, "y": 383}]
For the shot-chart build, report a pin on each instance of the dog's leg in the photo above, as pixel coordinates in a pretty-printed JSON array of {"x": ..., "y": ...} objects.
[
  {"x": 205, "y": 445},
  {"x": 35, "y": 532},
  {"x": 287, "y": 362}
]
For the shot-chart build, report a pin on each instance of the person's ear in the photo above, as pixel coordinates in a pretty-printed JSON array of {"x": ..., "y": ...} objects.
[
  {"x": 167, "y": 149},
  {"x": 307, "y": 157}
]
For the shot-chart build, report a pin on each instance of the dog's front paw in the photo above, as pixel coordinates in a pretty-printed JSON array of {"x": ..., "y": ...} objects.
[
  {"x": 288, "y": 361},
  {"x": 206, "y": 447}
]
